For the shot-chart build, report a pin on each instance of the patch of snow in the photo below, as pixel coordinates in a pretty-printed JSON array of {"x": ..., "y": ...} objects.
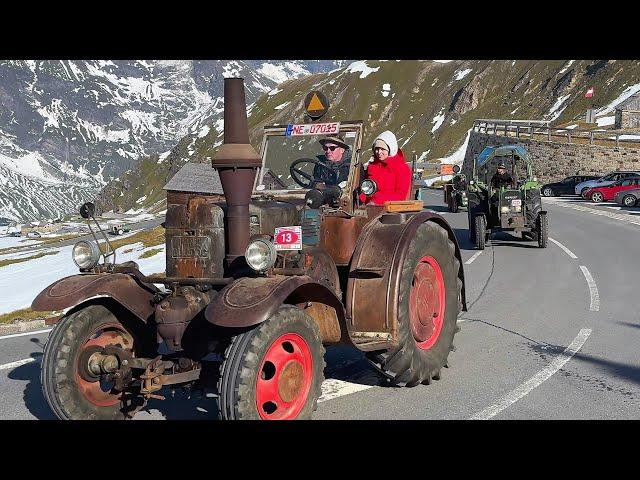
[
  {"x": 362, "y": 67},
  {"x": 141, "y": 199},
  {"x": 163, "y": 156},
  {"x": 515, "y": 110},
  {"x": 430, "y": 181},
  {"x": 566, "y": 67},
  {"x": 621, "y": 98},
  {"x": 443, "y": 61},
  {"x": 281, "y": 106},
  {"x": 604, "y": 121},
  {"x": 458, "y": 156},
  {"x": 571, "y": 127},
  {"x": 275, "y": 91},
  {"x": 386, "y": 88},
  {"x": 461, "y": 74},
  {"x": 437, "y": 120},
  {"x": 554, "y": 112},
  {"x": 204, "y": 131}
]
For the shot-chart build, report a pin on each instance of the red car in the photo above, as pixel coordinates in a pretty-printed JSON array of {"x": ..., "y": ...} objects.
[{"x": 606, "y": 193}]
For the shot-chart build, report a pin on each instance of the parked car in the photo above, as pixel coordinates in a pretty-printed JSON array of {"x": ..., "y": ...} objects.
[
  {"x": 566, "y": 186},
  {"x": 607, "y": 179},
  {"x": 606, "y": 193},
  {"x": 33, "y": 235},
  {"x": 627, "y": 198}
]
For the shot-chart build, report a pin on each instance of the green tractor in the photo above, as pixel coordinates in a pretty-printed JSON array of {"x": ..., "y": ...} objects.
[
  {"x": 515, "y": 207},
  {"x": 455, "y": 192}
]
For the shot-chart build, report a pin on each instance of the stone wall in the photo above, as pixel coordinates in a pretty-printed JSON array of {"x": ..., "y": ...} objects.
[{"x": 554, "y": 161}]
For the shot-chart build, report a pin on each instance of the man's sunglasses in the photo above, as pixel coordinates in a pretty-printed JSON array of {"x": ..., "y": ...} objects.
[{"x": 329, "y": 147}]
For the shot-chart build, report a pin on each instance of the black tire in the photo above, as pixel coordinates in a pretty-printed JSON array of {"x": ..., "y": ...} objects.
[
  {"x": 244, "y": 358},
  {"x": 407, "y": 364},
  {"x": 543, "y": 230},
  {"x": 472, "y": 227},
  {"x": 453, "y": 207},
  {"x": 481, "y": 232},
  {"x": 547, "y": 192},
  {"x": 60, "y": 384},
  {"x": 584, "y": 189},
  {"x": 629, "y": 201}
]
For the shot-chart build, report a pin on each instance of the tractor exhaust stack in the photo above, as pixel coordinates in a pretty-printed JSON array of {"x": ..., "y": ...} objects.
[{"x": 236, "y": 163}]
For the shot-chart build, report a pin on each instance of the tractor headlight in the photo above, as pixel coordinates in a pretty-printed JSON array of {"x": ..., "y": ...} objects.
[
  {"x": 504, "y": 209},
  {"x": 85, "y": 254},
  {"x": 260, "y": 255},
  {"x": 369, "y": 187},
  {"x": 517, "y": 209}
]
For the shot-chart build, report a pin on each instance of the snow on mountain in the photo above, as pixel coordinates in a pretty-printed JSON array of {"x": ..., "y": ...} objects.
[{"x": 84, "y": 123}]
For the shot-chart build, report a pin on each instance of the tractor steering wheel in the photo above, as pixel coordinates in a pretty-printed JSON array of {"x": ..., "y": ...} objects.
[{"x": 300, "y": 175}]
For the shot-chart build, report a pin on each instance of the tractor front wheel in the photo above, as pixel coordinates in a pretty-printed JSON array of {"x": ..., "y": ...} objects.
[
  {"x": 73, "y": 381},
  {"x": 274, "y": 371}
]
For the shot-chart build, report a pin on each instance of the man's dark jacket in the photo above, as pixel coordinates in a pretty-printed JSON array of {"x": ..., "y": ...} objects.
[
  {"x": 498, "y": 180},
  {"x": 337, "y": 171}
]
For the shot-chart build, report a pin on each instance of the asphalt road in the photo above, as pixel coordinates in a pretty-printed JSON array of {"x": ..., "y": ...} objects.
[{"x": 547, "y": 336}]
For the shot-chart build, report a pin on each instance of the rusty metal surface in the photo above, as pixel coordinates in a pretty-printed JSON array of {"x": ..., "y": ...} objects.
[
  {"x": 272, "y": 213},
  {"x": 369, "y": 276},
  {"x": 339, "y": 236},
  {"x": 327, "y": 319},
  {"x": 195, "y": 236},
  {"x": 318, "y": 264},
  {"x": 71, "y": 291},
  {"x": 264, "y": 295},
  {"x": 512, "y": 221},
  {"x": 174, "y": 313}
]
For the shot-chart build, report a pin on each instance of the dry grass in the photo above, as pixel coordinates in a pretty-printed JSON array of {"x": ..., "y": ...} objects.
[
  {"x": 149, "y": 238},
  {"x": 150, "y": 253},
  {"x": 9, "y": 261},
  {"x": 25, "y": 314}
]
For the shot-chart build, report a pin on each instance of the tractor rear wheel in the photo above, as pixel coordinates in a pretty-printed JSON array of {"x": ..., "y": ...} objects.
[
  {"x": 543, "y": 230},
  {"x": 428, "y": 308},
  {"x": 274, "y": 371},
  {"x": 481, "y": 231},
  {"x": 71, "y": 388}
]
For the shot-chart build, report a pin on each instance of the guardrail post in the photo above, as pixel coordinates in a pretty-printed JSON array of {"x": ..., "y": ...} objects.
[
  {"x": 590, "y": 138},
  {"x": 617, "y": 137},
  {"x": 549, "y": 134},
  {"x": 569, "y": 136},
  {"x": 505, "y": 130},
  {"x": 518, "y": 131}
]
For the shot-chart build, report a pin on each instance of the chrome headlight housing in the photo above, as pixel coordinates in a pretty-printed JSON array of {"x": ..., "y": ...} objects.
[
  {"x": 260, "y": 255},
  {"x": 369, "y": 187},
  {"x": 85, "y": 254}
]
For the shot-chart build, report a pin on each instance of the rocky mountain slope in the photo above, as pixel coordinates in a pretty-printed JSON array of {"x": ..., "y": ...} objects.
[
  {"x": 67, "y": 128},
  {"x": 430, "y": 105}
]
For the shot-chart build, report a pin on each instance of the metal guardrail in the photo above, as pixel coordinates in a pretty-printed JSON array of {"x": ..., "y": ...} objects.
[{"x": 540, "y": 130}]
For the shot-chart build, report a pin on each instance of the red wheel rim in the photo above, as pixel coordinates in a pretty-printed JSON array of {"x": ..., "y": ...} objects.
[
  {"x": 95, "y": 392},
  {"x": 427, "y": 302},
  {"x": 284, "y": 378}
]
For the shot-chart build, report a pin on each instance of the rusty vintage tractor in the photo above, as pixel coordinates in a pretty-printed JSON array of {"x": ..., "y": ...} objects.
[{"x": 258, "y": 282}]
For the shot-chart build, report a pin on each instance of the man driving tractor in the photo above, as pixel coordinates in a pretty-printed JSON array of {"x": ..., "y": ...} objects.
[
  {"x": 337, "y": 159},
  {"x": 501, "y": 178}
]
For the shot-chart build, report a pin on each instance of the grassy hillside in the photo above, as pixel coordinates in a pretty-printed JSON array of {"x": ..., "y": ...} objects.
[{"x": 429, "y": 105}]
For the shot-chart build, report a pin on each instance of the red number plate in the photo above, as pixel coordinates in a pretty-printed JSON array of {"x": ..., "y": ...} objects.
[{"x": 288, "y": 238}]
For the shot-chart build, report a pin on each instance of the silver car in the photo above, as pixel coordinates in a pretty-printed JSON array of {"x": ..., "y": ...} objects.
[
  {"x": 627, "y": 198},
  {"x": 608, "y": 179}
]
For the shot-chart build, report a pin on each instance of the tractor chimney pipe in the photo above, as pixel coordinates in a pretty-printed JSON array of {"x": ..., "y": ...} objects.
[{"x": 236, "y": 162}]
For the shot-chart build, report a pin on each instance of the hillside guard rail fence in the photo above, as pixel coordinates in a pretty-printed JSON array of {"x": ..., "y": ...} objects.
[{"x": 541, "y": 131}]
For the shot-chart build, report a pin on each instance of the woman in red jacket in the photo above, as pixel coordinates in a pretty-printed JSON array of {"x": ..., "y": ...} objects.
[{"x": 389, "y": 170}]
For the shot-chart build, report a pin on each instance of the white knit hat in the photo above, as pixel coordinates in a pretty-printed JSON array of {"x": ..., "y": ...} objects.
[{"x": 390, "y": 139}]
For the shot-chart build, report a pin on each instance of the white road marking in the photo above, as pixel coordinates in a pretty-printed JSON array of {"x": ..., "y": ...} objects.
[
  {"x": 615, "y": 216},
  {"x": 543, "y": 375},
  {"x": 475, "y": 255},
  {"x": 593, "y": 289},
  {"x": 7, "y": 366},
  {"x": 334, "y": 388},
  {"x": 26, "y": 333},
  {"x": 566, "y": 250}
]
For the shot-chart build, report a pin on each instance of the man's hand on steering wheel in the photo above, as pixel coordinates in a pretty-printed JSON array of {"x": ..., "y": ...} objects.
[{"x": 299, "y": 176}]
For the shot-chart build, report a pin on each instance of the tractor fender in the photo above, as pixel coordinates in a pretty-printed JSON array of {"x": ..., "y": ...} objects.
[
  {"x": 374, "y": 275},
  {"x": 71, "y": 291},
  {"x": 250, "y": 301}
]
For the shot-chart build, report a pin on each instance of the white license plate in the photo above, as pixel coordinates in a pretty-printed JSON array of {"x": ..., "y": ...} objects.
[{"x": 516, "y": 203}]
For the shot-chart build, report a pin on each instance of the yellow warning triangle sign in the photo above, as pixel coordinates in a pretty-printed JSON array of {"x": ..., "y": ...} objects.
[{"x": 315, "y": 104}]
